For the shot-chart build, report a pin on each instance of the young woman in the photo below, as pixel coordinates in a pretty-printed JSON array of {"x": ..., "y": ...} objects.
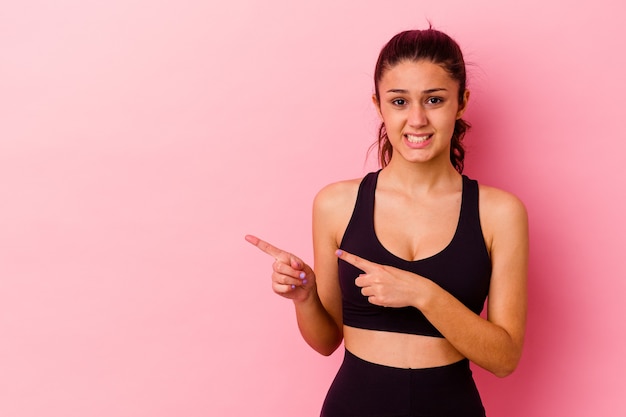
[{"x": 406, "y": 257}]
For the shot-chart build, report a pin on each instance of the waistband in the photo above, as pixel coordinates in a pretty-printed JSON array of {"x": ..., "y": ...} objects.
[{"x": 453, "y": 368}]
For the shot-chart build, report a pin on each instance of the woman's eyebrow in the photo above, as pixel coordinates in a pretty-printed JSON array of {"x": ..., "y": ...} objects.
[
  {"x": 434, "y": 90},
  {"x": 429, "y": 91}
]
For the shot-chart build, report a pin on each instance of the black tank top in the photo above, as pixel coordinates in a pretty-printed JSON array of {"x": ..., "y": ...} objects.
[{"x": 463, "y": 268}]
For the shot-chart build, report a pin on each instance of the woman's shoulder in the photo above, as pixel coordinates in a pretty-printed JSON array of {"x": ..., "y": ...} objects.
[
  {"x": 501, "y": 212},
  {"x": 333, "y": 207},
  {"x": 496, "y": 200},
  {"x": 338, "y": 194}
]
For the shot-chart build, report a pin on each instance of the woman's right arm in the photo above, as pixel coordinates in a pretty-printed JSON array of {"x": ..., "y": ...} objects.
[{"x": 316, "y": 295}]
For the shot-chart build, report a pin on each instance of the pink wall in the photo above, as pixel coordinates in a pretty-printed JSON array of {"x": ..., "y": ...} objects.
[{"x": 140, "y": 140}]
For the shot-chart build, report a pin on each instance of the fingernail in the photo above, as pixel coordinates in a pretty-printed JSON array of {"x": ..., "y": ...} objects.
[
  {"x": 304, "y": 281},
  {"x": 293, "y": 287},
  {"x": 339, "y": 252},
  {"x": 302, "y": 275}
]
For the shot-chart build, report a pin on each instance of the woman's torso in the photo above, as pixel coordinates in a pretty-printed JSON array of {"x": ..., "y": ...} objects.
[{"x": 410, "y": 228}]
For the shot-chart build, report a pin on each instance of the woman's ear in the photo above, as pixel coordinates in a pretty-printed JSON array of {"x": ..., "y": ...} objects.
[
  {"x": 377, "y": 105},
  {"x": 463, "y": 105}
]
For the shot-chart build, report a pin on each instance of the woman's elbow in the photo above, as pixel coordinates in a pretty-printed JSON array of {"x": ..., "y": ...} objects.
[
  {"x": 328, "y": 349},
  {"x": 507, "y": 366},
  {"x": 326, "y": 346},
  {"x": 504, "y": 372}
]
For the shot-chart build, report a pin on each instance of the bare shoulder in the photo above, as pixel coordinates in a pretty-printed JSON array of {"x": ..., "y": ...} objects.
[
  {"x": 495, "y": 201},
  {"x": 337, "y": 195},
  {"x": 333, "y": 206},
  {"x": 501, "y": 213}
]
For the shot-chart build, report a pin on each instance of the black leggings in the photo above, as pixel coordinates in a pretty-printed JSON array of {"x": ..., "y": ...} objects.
[{"x": 365, "y": 389}]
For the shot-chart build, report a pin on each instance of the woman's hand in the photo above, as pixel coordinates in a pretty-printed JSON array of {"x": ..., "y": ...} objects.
[
  {"x": 291, "y": 277},
  {"x": 295, "y": 280},
  {"x": 385, "y": 285}
]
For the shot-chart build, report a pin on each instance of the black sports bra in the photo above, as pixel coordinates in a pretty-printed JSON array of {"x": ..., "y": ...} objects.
[{"x": 463, "y": 268}]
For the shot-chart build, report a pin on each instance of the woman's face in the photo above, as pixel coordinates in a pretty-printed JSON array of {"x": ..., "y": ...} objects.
[{"x": 419, "y": 105}]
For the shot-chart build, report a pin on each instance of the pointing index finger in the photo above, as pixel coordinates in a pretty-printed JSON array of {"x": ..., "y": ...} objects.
[
  {"x": 354, "y": 260},
  {"x": 271, "y": 250}
]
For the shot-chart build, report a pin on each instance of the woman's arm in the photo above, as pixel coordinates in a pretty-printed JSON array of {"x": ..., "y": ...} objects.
[
  {"x": 496, "y": 343},
  {"x": 295, "y": 280},
  {"x": 316, "y": 295}
]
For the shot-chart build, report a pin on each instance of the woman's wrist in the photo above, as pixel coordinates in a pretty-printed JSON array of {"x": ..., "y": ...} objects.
[
  {"x": 424, "y": 294},
  {"x": 309, "y": 295}
]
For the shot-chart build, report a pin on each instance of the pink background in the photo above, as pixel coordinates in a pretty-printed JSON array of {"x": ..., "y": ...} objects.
[{"x": 140, "y": 140}]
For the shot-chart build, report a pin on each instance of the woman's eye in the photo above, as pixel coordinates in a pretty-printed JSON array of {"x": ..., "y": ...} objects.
[
  {"x": 434, "y": 100},
  {"x": 399, "y": 102}
]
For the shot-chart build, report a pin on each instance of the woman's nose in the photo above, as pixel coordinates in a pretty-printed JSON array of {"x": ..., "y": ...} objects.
[{"x": 417, "y": 116}]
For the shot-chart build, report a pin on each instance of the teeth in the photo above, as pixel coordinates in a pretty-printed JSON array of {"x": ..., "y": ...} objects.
[{"x": 417, "y": 139}]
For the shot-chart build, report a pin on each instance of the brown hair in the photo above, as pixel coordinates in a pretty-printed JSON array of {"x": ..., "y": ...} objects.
[{"x": 438, "y": 48}]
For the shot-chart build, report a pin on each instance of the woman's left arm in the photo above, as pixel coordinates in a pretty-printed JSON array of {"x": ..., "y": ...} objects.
[{"x": 494, "y": 343}]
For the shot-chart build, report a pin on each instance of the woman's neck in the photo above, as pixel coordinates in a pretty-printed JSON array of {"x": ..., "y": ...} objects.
[{"x": 420, "y": 178}]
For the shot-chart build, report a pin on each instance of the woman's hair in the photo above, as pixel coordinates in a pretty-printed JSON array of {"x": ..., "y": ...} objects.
[{"x": 438, "y": 48}]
